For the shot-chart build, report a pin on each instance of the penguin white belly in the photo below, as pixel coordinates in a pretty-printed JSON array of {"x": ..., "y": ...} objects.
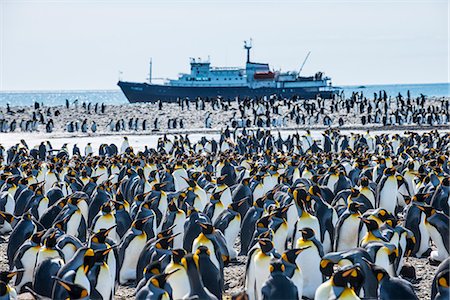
[
  {"x": 81, "y": 279},
  {"x": 441, "y": 253},
  {"x": 258, "y": 192},
  {"x": 402, "y": 191},
  {"x": 218, "y": 209},
  {"x": 348, "y": 234},
  {"x": 388, "y": 195},
  {"x": 5, "y": 228},
  {"x": 369, "y": 195},
  {"x": 297, "y": 278},
  {"x": 42, "y": 206},
  {"x": 10, "y": 204},
  {"x": 50, "y": 180},
  {"x": 332, "y": 181},
  {"x": 179, "y": 229},
  {"x": 45, "y": 254},
  {"x": 201, "y": 199},
  {"x": 424, "y": 237},
  {"x": 382, "y": 260},
  {"x": 231, "y": 234},
  {"x": 28, "y": 261},
  {"x": 262, "y": 271},
  {"x": 84, "y": 208},
  {"x": 324, "y": 291},
  {"x": 104, "y": 282},
  {"x": 291, "y": 218},
  {"x": 74, "y": 223},
  {"x": 179, "y": 281},
  {"x": 131, "y": 257},
  {"x": 180, "y": 183},
  {"x": 280, "y": 237},
  {"x": 69, "y": 251},
  {"x": 112, "y": 265},
  {"x": 225, "y": 198},
  {"x": 296, "y": 175},
  {"x": 309, "y": 260}
]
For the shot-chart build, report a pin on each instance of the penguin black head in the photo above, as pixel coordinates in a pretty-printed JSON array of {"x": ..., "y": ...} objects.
[
  {"x": 160, "y": 280},
  {"x": 234, "y": 206},
  {"x": 307, "y": 233},
  {"x": 88, "y": 260},
  {"x": 153, "y": 268},
  {"x": 353, "y": 207},
  {"x": 443, "y": 279},
  {"x": 100, "y": 255},
  {"x": 370, "y": 223},
  {"x": 379, "y": 272},
  {"x": 100, "y": 236},
  {"x": 166, "y": 232},
  {"x": 37, "y": 237},
  {"x": 6, "y": 276},
  {"x": 300, "y": 195},
  {"x": 50, "y": 238},
  {"x": 4, "y": 289},
  {"x": 140, "y": 223},
  {"x": 203, "y": 250},
  {"x": 159, "y": 186},
  {"x": 74, "y": 290},
  {"x": 314, "y": 191},
  {"x": 291, "y": 254},
  {"x": 178, "y": 254},
  {"x": 106, "y": 208},
  {"x": 166, "y": 242},
  {"x": 7, "y": 216},
  {"x": 276, "y": 266},
  {"x": 265, "y": 244},
  {"x": 389, "y": 171},
  {"x": 428, "y": 210},
  {"x": 349, "y": 275},
  {"x": 206, "y": 228}
]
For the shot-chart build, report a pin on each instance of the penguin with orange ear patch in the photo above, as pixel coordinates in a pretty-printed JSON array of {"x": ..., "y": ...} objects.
[{"x": 279, "y": 286}]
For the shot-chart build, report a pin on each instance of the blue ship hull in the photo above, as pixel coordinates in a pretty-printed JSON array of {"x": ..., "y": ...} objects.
[{"x": 144, "y": 92}]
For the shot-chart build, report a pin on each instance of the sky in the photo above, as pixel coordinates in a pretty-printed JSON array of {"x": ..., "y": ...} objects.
[{"x": 82, "y": 45}]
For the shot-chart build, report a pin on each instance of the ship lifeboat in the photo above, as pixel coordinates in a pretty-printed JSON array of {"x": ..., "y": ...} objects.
[{"x": 264, "y": 75}]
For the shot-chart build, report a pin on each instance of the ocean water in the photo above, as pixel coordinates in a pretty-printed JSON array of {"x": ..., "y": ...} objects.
[{"x": 54, "y": 98}]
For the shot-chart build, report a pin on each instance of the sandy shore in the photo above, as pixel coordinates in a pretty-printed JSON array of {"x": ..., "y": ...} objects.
[{"x": 193, "y": 119}]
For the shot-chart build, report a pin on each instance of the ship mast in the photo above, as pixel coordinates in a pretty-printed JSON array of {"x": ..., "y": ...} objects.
[
  {"x": 150, "y": 72},
  {"x": 248, "y": 46}
]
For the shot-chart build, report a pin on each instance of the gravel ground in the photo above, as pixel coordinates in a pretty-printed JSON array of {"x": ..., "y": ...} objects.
[{"x": 234, "y": 275}]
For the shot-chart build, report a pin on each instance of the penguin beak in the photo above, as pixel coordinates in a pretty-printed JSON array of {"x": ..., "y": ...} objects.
[
  {"x": 300, "y": 250},
  {"x": 363, "y": 219},
  {"x": 63, "y": 283},
  {"x": 173, "y": 236},
  {"x": 109, "y": 230}
]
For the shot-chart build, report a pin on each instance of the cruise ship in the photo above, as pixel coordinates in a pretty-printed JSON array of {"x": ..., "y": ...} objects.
[{"x": 206, "y": 81}]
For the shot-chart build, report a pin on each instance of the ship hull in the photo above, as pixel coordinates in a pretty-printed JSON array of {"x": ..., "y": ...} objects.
[{"x": 144, "y": 92}]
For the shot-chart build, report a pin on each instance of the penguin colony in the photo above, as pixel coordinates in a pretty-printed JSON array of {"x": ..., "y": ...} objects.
[
  {"x": 273, "y": 111},
  {"x": 330, "y": 219}
]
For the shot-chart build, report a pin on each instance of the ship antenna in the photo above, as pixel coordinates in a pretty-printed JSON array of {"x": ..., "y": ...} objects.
[
  {"x": 150, "y": 71},
  {"x": 248, "y": 46},
  {"x": 303, "y": 64}
]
